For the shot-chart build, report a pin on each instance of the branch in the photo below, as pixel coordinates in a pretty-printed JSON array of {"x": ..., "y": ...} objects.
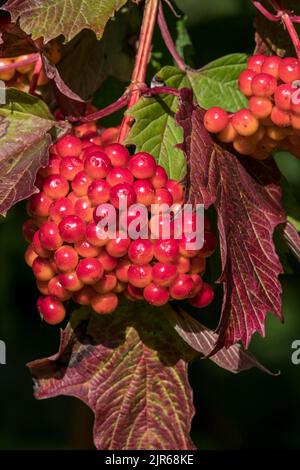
[
  {"x": 168, "y": 39},
  {"x": 101, "y": 113},
  {"x": 141, "y": 61}
]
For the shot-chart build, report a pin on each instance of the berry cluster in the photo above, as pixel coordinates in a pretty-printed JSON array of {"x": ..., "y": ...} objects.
[
  {"x": 272, "y": 120},
  {"x": 70, "y": 260}
]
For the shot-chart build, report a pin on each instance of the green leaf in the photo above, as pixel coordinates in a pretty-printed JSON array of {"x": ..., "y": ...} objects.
[
  {"x": 50, "y": 19},
  {"x": 25, "y": 126},
  {"x": 183, "y": 42},
  {"x": 216, "y": 83},
  {"x": 155, "y": 130},
  {"x": 130, "y": 368}
]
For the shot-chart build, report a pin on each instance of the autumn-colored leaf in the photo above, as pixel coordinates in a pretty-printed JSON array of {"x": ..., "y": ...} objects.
[
  {"x": 248, "y": 211},
  {"x": 48, "y": 19},
  {"x": 130, "y": 368},
  {"x": 24, "y": 143},
  {"x": 234, "y": 359},
  {"x": 14, "y": 42}
]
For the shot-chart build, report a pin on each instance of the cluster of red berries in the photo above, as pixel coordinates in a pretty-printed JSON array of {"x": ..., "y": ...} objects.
[
  {"x": 272, "y": 120},
  {"x": 70, "y": 260}
]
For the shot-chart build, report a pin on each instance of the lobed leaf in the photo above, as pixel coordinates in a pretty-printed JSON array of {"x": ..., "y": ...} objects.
[
  {"x": 248, "y": 208},
  {"x": 130, "y": 368}
]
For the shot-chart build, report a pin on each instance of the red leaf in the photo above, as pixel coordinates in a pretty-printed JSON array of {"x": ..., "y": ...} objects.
[
  {"x": 130, "y": 368},
  {"x": 248, "y": 211}
]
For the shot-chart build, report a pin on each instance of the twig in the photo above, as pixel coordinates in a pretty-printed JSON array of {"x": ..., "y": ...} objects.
[
  {"x": 101, "y": 113},
  {"x": 168, "y": 39}
]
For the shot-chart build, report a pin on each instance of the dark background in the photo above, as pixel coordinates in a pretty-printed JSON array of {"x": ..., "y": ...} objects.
[{"x": 246, "y": 411}]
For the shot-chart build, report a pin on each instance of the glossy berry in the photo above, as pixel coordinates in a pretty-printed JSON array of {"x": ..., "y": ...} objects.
[
  {"x": 43, "y": 269},
  {"x": 53, "y": 167},
  {"x": 69, "y": 167},
  {"x": 81, "y": 183},
  {"x": 122, "y": 195},
  {"x": 204, "y": 297},
  {"x": 245, "y": 81},
  {"x": 108, "y": 262},
  {"x": 140, "y": 275},
  {"x": 57, "y": 290},
  {"x": 271, "y": 65},
  {"x": 289, "y": 70},
  {"x": 118, "y": 246},
  {"x": 106, "y": 284},
  {"x": 176, "y": 190},
  {"x": 49, "y": 236},
  {"x": 86, "y": 249},
  {"x": 166, "y": 250},
  {"x": 118, "y": 154},
  {"x": 30, "y": 255},
  {"x": 56, "y": 186},
  {"x": 66, "y": 258},
  {"x": 134, "y": 293},
  {"x": 163, "y": 274},
  {"x": 144, "y": 191},
  {"x": 51, "y": 310},
  {"x": 70, "y": 281},
  {"x": 60, "y": 208},
  {"x": 256, "y": 62},
  {"x": 69, "y": 146},
  {"x": 83, "y": 296},
  {"x": 37, "y": 246},
  {"x": 97, "y": 165},
  {"x": 98, "y": 192},
  {"x": 159, "y": 179},
  {"x": 263, "y": 85},
  {"x": 163, "y": 197},
  {"x": 260, "y": 107},
  {"x": 244, "y": 122},
  {"x": 140, "y": 251},
  {"x": 142, "y": 165},
  {"x": 39, "y": 204},
  {"x": 216, "y": 119},
  {"x": 72, "y": 229},
  {"x": 188, "y": 245},
  {"x": 156, "y": 295},
  {"x": 83, "y": 209},
  {"x": 228, "y": 134},
  {"x": 95, "y": 236},
  {"x": 181, "y": 287},
  {"x": 161, "y": 226},
  {"x": 89, "y": 270},
  {"x": 122, "y": 270},
  {"x": 280, "y": 118},
  {"x": 104, "y": 303},
  {"x": 183, "y": 264},
  {"x": 119, "y": 175}
]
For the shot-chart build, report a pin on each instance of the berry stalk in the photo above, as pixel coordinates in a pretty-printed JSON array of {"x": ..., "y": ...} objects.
[{"x": 142, "y": 57}]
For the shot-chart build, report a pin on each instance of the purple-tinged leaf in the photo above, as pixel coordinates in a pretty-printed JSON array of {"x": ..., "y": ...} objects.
[
  {"x": 234, "y": 359},
  {"x": 24, "y": 142},
  {"x": 248, "y": 210},
  {"x": 130, "y": 368},
  {"x": 53, "y": 74},
  {"x": 13, "y": 41},
  {"x": 292, "y": 238}
]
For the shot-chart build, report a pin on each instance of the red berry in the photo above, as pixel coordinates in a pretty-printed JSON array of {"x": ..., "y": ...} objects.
[
  {"x": 72, "y": 229},
  {"x": 134, "y": 218},
  {"x": 255, "y": 62},
  {"x": 144, "y": 191},
  {"x": 110, "y": 135},
  {"x": 86, "y": 250},
  {"x": 49, "y": 236},
  {"x": 245, "y": 82},
  {"x": 183, "y": 264},
  {"x": 260, "y": 107},
  {"x": 182, "y": 287},
  {"x": 108, "y": 262},
  {"x": 118, "y": 246},
  {"x": 66, "y": 258},
  {"x": 122, "y": 270},
  {"x": 92, "y": 235},
  {"x": 69, "y": 167},
  {"x": 187, "y": 245},
  {"x": 244, "y": 122},
  {"x": 28, "y": 230},
  {"x": 84, "y": 296},
  {"x": 140, "y": 251},
  {"x": 166, "y": 250},
  {"x": 122, "y": 195},
  {"x": 159, "y": 178},
  {"x": 118, "y": 154},
  {"x": 97, "y": 165},
  {"x": 98, "y": 192},
  {"x": 264, "y": 85},
  {"x": 198, "y": 284},
  {"x": 53, "y": 167},
  {"x": 142, "y": 165},
  {"x": 106, "y": 284},
  {"x": 56, "y": 186},
  {"x": 228, "y": 134},
  {"x": 38, "y": 204},
  {"x": 42, "y": 287},
  {"x": 119, "y": 175},
  {"x": 57, "y": 290},
  {"x": 140, "y": 275},
  {"x": 161, "y": 226},
  {"x": 30, "y": 255},
  {"x": 204, "y": 297},
  {"x": 52, "y": 310},
  {"x": 83, "y": 209},
  {"x": 104, "y": 303},
  {"x": 81, "y": 183},
  {"x": 94, "y": 138},
  {"x": 209, "y": 244},
  {"x": 134, "y": 293},
  {"x": 43, "y": 269},
  {"x": 89, "y": 270},
  {"x": 271, "y": 65},
  {"x": 69, "y": 146},
  {"x": 156, "y": 295},
  {"x": 164, "y": 274},
  {"x": 60, "y": 208},
  {"x": 37, "y": 246},
  {"x": 289, "y": 70},
  {"x": 162, "y": 197},
  {"x": 280, "y": 118},
  {"x": 176, "y": 190},
  {"x": 216, "y": 119},
  {"x": 70, "y": 281}
]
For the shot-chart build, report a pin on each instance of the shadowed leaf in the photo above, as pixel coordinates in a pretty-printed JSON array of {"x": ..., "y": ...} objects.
[
  {"x": 130, "y": 368},
  {"x": 292, "y": 238}
]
